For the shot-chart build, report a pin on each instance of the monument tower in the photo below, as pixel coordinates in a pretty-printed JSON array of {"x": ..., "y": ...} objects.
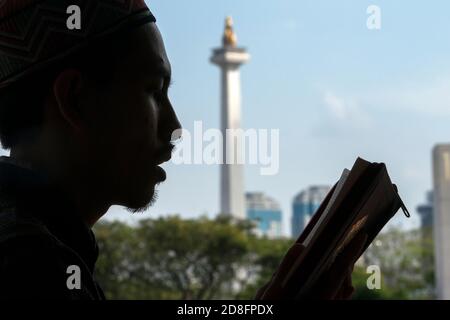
[{"x": 229, "y": 58}]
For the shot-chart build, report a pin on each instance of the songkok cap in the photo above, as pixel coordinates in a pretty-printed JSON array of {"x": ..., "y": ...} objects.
[{"x": 36, "y": 33}]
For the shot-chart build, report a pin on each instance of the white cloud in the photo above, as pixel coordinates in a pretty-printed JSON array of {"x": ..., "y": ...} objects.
[
  {"x": 336, "y": 106},
  {"x": 345, "y": 111}
]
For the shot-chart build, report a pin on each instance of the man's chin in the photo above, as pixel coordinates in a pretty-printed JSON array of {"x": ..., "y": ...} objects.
[
  {"x": 142, "y": 204},
  {"x": 143, "y": 194}
]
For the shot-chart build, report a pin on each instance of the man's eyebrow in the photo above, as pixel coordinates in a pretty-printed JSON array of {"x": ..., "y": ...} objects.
[{"x": 159, "y": 69}]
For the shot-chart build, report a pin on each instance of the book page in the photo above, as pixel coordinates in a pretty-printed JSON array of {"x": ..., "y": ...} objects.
[{"x": 327, "y": 210}]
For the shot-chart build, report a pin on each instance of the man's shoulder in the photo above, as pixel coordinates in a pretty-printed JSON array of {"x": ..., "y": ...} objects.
[
  {"x": 14, "y": 228},
  {"x": 26, "y": 241},
  {"x": 33, "y": 263}
]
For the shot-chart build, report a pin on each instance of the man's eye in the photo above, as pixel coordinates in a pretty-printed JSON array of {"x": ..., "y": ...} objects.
[{"x": 159, "y": 95}]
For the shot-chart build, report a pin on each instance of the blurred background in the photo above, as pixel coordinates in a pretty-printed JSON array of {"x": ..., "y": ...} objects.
[{"x": 336, "y": 89}]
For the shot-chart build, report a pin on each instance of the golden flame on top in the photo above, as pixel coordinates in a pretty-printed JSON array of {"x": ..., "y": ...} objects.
[{"x": 229, "y": 37}]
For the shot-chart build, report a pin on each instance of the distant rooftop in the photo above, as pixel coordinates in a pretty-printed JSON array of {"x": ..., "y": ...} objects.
[
  {"x": 259, "y": 201},
  {"x": 312, "y": 194}
]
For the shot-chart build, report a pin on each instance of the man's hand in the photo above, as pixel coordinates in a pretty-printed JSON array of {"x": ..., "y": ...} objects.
[{"x": 335, "y": 284}]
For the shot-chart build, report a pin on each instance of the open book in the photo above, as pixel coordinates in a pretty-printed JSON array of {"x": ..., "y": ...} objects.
[{"x": 363, "y": 200}]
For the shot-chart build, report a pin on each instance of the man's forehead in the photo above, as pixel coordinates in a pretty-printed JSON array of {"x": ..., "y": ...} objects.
[
  {"x": 153, "y": 52},
  {"x": 25, "y": 47}
]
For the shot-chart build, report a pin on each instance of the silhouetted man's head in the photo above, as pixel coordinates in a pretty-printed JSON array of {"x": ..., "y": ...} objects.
[{"x": 98, "y": 122}]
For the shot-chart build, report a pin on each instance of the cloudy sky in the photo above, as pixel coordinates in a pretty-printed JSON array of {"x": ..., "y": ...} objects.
[{"x": 334, "y": 88}]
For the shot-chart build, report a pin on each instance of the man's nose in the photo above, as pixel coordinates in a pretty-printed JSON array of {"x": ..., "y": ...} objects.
[{"x": 171, "y": 125}]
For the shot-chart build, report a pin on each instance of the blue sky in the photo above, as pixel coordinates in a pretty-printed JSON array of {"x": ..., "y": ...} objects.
[{"x": 335, "y": 89}]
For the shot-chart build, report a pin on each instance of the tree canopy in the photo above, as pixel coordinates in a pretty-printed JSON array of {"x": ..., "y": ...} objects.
[{"x": 174, "y": 258}]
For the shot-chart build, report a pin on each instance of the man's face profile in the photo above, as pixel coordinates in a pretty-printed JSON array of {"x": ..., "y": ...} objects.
[
  {"x": 86, "y": 117},
  {"x": 90, "y": 112},
  {"x": 129, "y": 123},
  {"x": 110, "y": 135}
]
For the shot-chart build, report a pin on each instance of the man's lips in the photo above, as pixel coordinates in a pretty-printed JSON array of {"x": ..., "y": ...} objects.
[
  {"x": 164, "y": 155},
  {"x": 160, "y": 174},
  {"x": 163, "y": 158}
]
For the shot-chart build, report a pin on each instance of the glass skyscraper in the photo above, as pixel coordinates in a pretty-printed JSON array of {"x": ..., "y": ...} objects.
[
  {"x": 426, "y": 211},
  {"x": 305, "y": 205},
  {"x": 265, "y": 212}
]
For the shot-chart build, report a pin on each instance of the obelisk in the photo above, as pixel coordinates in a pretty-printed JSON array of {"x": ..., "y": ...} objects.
[
  {"x": 441, "y": 227},
  {"x": 230, "y": 58}
]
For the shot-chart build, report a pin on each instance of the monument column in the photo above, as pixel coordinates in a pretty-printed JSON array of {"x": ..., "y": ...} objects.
[
  {"x": 229, "y": 58},
  {"x": 441, "y": 228}
]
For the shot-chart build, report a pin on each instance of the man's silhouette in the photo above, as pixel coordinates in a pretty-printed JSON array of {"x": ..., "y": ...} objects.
[{"x": 86, "y": 116}]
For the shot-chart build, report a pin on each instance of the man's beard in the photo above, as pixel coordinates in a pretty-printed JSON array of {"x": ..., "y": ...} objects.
[{"x": 143, "y": 208}]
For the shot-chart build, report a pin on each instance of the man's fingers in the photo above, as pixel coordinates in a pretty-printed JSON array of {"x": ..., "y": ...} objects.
[
  {"x": 336, "y": 283},
  {"x": 343, "y": 265},
  {"x": 289, "y": 259},
  {"x": 338, "y": 279},
  {"x": 261, "y": 291},
  {"x": 351, "y": 252},
  {"x": 273, "y": 290}
]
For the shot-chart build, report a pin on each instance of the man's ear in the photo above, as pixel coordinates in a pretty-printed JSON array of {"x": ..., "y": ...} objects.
[{"x": 67, "y": 89}]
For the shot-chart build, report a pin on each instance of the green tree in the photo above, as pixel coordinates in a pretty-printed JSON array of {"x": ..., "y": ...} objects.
[
  {"x": 405, "y": 259},
  {"x": 172, "y": 258}
]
